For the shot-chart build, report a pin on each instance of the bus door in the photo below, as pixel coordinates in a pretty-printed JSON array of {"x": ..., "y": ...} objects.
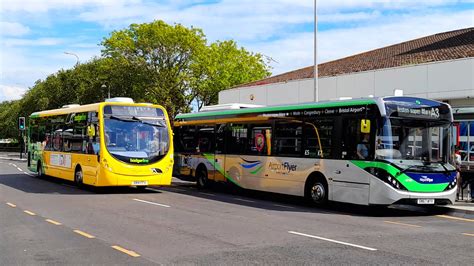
[
  {"x": 349, "y": 182},
  {"x": 219, "y": 155},
  {"x": 206, "y": 149},
  {"x": 92, "y": 149}
]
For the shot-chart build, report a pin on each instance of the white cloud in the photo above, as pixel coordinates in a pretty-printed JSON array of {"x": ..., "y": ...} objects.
[
  {"x": 348, "y": 17},
  {"x": 279, "y": 29},
  {"x": 33, "y": 6},
  {"x": 8, "y": 93},
  {"x": 13, "y": 29},
  {"x": 12, "y": 42},
  {"x": 296, "y": 50}
]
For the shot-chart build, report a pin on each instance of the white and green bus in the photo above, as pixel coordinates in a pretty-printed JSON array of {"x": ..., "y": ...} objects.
[{"x": 374, "y": 151}]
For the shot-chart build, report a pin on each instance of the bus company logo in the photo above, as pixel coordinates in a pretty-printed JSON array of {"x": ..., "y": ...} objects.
[
  {"x": 426, "y": 179},
  {"x": 284, "y": 168},
  {"x": 141, "y": 160},
  {"x": 253, "y": 166}
]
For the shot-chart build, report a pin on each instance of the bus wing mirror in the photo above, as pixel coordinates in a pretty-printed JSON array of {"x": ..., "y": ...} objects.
[
  {"x": 365, "y": 126},
  {"x": 91, "y": 131}
]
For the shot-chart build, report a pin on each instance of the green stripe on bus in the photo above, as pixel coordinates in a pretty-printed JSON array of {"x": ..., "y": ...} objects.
[
  {"x": 276, "y": 109},
  {"x": 404, "y": 179},
  {"x": 257, "y": 170},
  {"x": 218, "y": 167}
]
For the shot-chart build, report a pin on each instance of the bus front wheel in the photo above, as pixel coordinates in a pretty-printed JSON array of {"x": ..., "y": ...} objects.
[
  {"x": 202, "y": 179},
  {"x": 317, "y": 191},
  {"x": 78, "y": 177}
]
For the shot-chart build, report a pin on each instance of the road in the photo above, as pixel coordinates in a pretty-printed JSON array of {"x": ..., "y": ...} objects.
[{"x": 48, "y": 221}]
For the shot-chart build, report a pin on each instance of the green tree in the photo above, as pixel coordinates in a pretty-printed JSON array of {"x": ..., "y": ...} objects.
[
  {"x": 9, "y": 113},
  {"x": 224, "y": 65},
  {"x": 161, "y": 55}
]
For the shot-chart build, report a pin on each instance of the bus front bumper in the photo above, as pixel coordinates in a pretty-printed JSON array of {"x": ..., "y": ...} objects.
[{"x": 383, "y": 194}]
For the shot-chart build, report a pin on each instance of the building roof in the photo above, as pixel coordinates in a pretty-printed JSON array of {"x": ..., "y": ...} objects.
[{"x": 438, "y": 47}]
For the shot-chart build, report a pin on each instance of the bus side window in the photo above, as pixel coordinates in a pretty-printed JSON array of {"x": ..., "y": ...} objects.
[
  {"x": 318, "y": 138},
  {"x": 258, "y": 143},
  {"x": 237, "y": 139},
  {"x": 206, "y": 138},
  {"x": 355, "y": 145},
  {"x": 288, "y": 138}
]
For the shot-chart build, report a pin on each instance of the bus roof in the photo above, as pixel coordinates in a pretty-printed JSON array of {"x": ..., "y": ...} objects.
[
  {"x": 85, "y": 108},
  {"x": 67, "y": 110},
  {"x": 276, "y": 108}
]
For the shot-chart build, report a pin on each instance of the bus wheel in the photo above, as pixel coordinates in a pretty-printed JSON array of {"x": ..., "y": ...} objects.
[
  {"x": 201, "y": 176},
  {"x": 317, "y": 192},
  {"x": 78, "y": 177},
  {"x": 39, "y": 170}
]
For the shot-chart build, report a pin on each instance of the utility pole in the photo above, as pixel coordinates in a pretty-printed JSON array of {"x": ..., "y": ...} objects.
[{"x": 316, "y": 89}]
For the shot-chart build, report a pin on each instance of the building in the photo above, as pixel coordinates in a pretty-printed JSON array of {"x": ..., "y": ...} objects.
[{"x": 439, "y": 66}]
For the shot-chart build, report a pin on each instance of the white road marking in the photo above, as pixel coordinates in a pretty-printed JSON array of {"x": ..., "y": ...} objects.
[
  {"x": 333, "y": 241},
  {"x": 152, "y": 203},
  {"x": 30, "y": 174},
  {"x": 244, "y": 200},
  {"x": 14, "y": 165},
  {"x": 19, "y": 169}
]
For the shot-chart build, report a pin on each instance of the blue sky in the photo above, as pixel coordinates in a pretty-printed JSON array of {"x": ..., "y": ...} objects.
[{"x": 34, "y": 34}]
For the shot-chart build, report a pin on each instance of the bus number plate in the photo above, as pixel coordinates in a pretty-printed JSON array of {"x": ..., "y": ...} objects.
[
  {"x": 140, "y": 183},
  {"x": 426, "y": 201}
]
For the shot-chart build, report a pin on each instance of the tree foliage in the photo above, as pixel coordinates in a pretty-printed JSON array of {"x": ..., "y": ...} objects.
[{"x": 155, "y": 62}]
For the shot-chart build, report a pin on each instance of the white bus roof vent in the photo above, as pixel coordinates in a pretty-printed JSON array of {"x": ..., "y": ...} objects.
[
  {"x": 119, "y": 100},
  {"x": 228, "y": 106},
  {"x": 70, "y": 105}
]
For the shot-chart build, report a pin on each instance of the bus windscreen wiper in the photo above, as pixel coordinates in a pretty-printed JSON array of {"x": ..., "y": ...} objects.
[
  {"x": 120, "y": 118},
  {"x": 134, "y": 119},
  {"x": 145, "y": 122},
  {"x": 446, "y": 170},
  {"x": 406, "y": 169}
]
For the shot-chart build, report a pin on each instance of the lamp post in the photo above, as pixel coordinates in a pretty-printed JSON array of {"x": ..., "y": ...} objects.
[
  {"x": 316, "y": 89},
  {"x": 77, "y": 57},
  {"x": 103, "y": 87}
]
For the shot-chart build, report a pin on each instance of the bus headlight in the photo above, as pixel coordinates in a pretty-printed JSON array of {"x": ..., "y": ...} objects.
[
  {"x": 451, "y": 185},
  {"x": 386, "y": 177}
]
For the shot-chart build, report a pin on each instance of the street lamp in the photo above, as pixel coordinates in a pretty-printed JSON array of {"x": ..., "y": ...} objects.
[
  {"x": 77, "y": 57},
  {"x": 103, "y": 87},
  {"x": 316, "y": 89}
]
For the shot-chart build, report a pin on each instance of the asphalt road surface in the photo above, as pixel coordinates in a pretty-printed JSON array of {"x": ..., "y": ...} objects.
[{"x": 49, "y": 221}]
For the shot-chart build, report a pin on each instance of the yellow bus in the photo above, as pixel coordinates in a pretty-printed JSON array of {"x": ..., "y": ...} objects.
[{"x": 112, "y": 143}]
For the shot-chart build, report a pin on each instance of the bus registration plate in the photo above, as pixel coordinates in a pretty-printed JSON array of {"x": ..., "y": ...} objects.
[
  {"x": 139, "y": 183},
  {"x": 426, "y": 201}
]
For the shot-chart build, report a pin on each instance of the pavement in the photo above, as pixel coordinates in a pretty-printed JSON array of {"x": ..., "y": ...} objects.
[
  {"x": 462, "y": 207},
  {"x": 50, "y": 221}
]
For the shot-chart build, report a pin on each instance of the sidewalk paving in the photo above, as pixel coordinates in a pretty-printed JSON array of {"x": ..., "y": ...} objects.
[{"x": 12, "y": 156}]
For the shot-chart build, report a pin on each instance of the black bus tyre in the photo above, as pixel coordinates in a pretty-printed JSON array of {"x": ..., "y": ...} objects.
[
  {"x": 78, "y": 177},
  {"x": 202, "y": 181},
  {"x": 317, "y": 192}
]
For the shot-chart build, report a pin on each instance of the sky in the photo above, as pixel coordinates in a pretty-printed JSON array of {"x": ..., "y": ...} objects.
[{"x": 37, "y": 37}]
